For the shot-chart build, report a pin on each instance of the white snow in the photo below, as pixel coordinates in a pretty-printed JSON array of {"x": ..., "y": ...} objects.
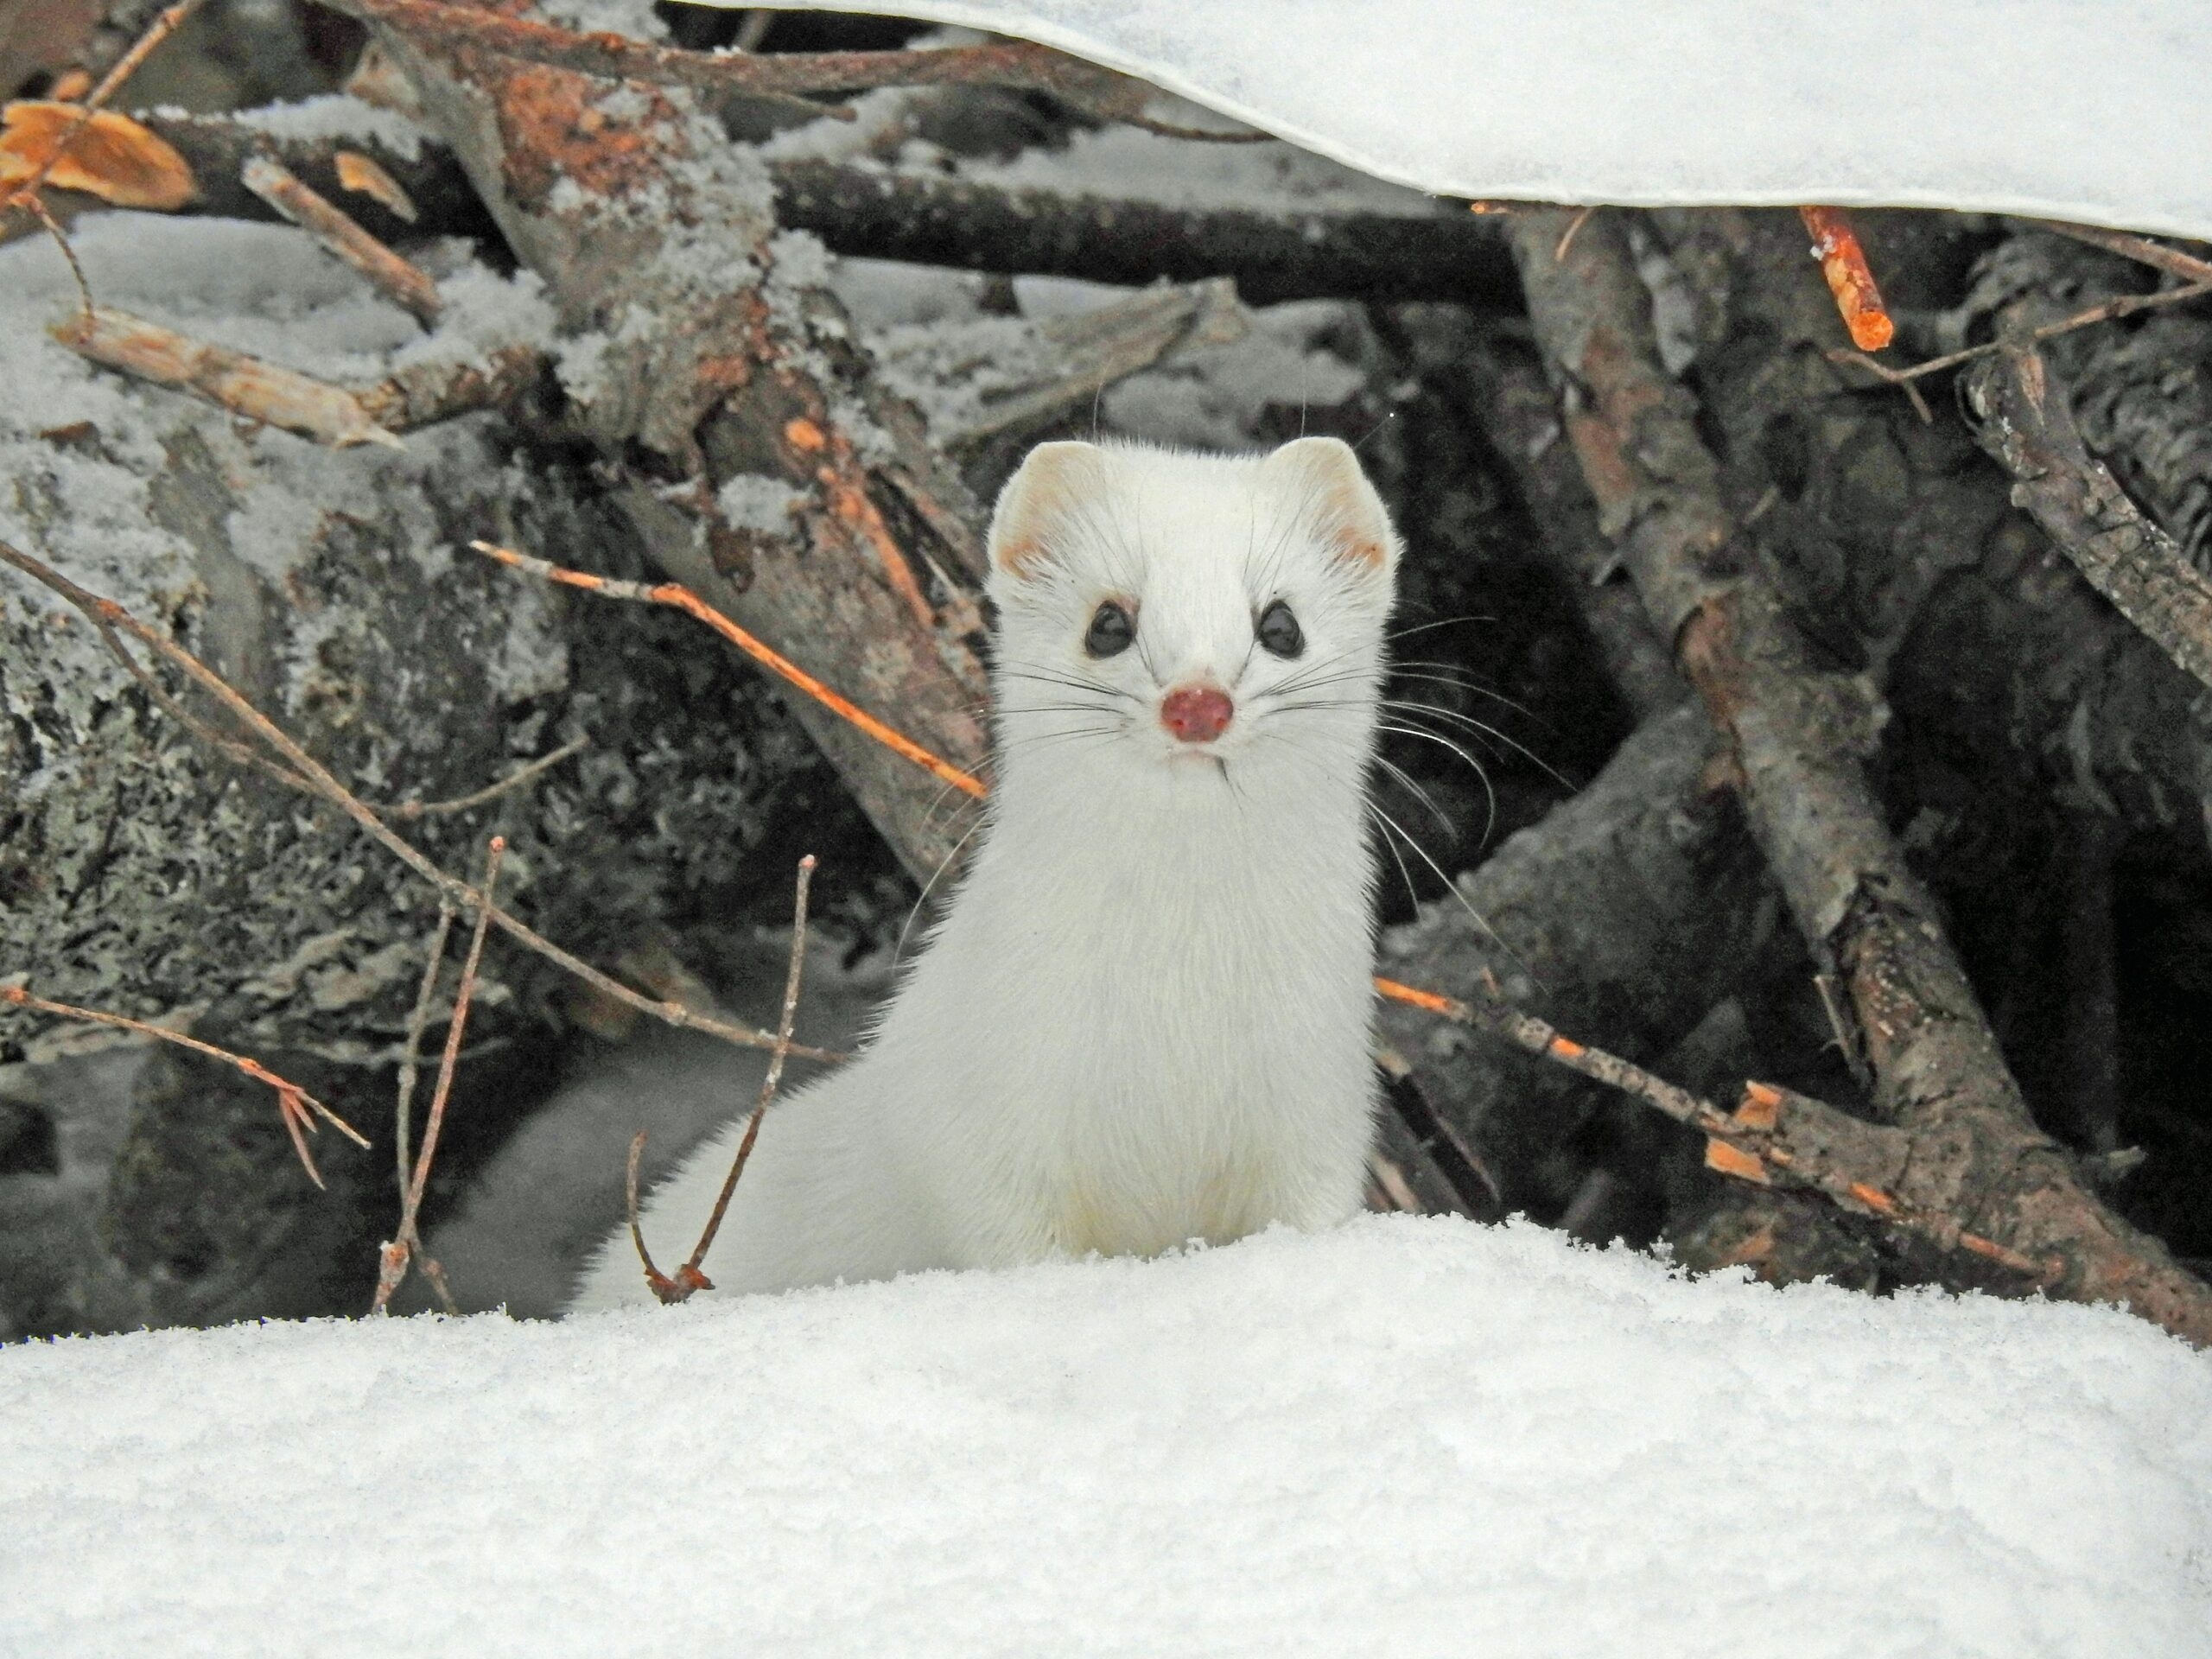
[
  {"x": 2091, "y": 110},
  {"x": 336, "y": 116},
  {"x": 1408, "y": 1437}
]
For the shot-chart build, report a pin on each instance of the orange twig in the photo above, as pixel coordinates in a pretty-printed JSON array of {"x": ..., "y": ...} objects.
[
  {"x": 1843, "y": 262},
  {"x": 298, "y": 1107},
  {"x": 681, "y": 598}
]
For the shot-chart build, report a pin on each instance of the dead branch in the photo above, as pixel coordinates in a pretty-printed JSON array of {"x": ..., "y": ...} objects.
[
  {"x": 298, "y": 1109},
  {"x": 1798, "y": 736},
  {"x": 689, "y": 1278},
  {"x": 318, "y": 781},
  {"x": 2025, "y": 422},
  {"x": 745, "y": 377},
  {"x": 423, "y": 394},
  {"x": 245, "y": 385},
  {"x": 1274, "y": 252},
  {"x": 399, "y": 280},
  {"x": 394, "y": 1258}
]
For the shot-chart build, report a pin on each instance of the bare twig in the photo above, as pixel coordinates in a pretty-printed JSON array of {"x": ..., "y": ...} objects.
[
  {"x": 316, "y": 779},
  {"x": 399, "y": 280},
  {"x": 408, "y": 811},
  {"x": 2026, "y": 423},
  {"x": 233, "y": 380},
  {"x": 419, "y": 1021},
  {"x": 689, "y": 1278},
  {"x": 396, "y": 1255},
  {"x": 2141, "y": 248},
  {"x": 2121, "y": 305},
  {"x": 159, "y": 30},
  {"x": 681, "y": 598},
  {"x": 299, "y": 1109}
]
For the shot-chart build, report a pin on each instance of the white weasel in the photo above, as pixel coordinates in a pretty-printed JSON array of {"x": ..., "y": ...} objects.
[{"x": 1147, "y": 1017}]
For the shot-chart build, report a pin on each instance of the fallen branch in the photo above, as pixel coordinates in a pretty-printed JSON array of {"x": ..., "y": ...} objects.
[
  {"x": 245, "y": 385},
  {"x": 2025, "y": 421},
  {"x": 299, "y": 1109},
  {"x": 689, "y": 1278},
  {"x": 393, "y": 1259},
  {"x": 399, "y": 280},
  {"x": 316, "y": 779},
  {"x": 1798, "y": 735}
]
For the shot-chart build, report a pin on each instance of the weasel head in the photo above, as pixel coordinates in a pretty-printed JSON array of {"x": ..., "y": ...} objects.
[{"x": 1193, "y": 617}]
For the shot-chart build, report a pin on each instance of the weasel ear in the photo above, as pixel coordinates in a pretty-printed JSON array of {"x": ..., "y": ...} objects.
[
  {"x": 1030, "y": 519},
  {"x": 1340, "y": 506}
]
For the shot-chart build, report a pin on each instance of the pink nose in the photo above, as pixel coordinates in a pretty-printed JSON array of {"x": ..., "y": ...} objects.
[{"x": 1197, "y": 714}]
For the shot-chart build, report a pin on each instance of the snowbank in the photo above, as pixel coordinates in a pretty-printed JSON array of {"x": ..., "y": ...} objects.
[
  {"x": 2074, "y": 109},
  {"x": 1412, "y": 1437}
]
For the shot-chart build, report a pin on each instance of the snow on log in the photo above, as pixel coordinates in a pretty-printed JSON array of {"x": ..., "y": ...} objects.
[{"x": 2064, "y": 108}]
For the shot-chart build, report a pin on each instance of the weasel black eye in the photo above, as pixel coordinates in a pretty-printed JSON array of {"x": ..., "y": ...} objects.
[
  {"x": 1112, "y": 631},
  {"x": 1279, "y": 631}
]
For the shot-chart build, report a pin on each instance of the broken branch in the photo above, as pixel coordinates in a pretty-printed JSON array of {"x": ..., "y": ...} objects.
[
  {"x": 399, "y": 280},
  {"x": 245, "y": 385},
  {"x": 1843, "y": 263}
]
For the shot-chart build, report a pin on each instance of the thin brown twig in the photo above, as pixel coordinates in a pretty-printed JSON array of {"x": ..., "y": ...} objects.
[
  {"x": 398, "y": 278},
  {"x": 1566, "y": 243},
  {"x": 689, "y": 1278},
  {"x": 396, "y": 1256},
  {"x": 419, "y": 1021},
  {"x": 2111, "y": 310},
  {"x": 408, "y": 811},
  {"x": 316, "y": 779},
  {"x": 298, "y": 1107},
  {"x": 159, "y": 30},
  {"x": 37, "y": 205},
  {"x": 2141, "y": 248}
]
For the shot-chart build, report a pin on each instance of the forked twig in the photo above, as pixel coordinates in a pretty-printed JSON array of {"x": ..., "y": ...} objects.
[
  {"x": 2111, "y": 310},
  {"x": 395, "y": 1257},
  {"x": 298, "y": 1107},
  {"x": 689, "y": 1278}
]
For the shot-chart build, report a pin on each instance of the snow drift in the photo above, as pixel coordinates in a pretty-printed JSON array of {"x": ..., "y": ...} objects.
[
  {"x": 2089, "y": 110},
  {"x": 1409, "y": 1436}
]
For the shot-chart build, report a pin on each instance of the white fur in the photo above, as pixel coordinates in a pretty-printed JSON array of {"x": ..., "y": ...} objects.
[{"x": 1147, "y": 1017}]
